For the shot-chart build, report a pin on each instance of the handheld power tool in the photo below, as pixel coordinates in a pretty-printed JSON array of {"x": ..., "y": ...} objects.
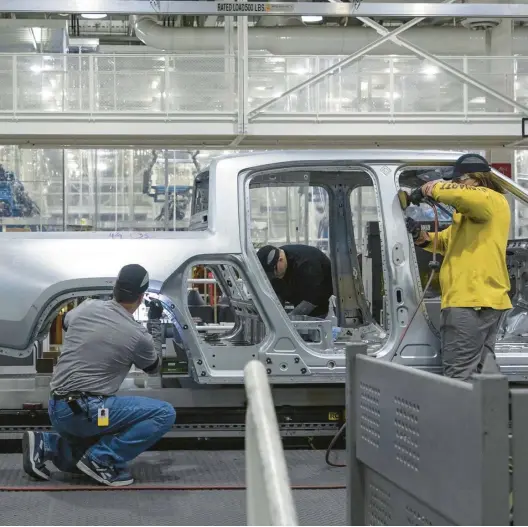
[{"x": 415, "y": 197}]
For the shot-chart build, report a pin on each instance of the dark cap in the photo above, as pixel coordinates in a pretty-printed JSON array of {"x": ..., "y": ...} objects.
[
  {"x": 468, "y": 164},
  {"x": 132, "y": 279},
  {"x": 269, "y": 257}
]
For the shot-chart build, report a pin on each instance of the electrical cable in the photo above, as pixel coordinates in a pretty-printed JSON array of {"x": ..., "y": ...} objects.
[{"x": 434, "y": 266}]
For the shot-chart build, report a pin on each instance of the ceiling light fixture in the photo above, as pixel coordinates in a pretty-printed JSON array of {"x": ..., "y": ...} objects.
[
  {"x": 94, "y": 16},
  {"x": 430, "y": 70},
  {"x": 299, "y": 71}
]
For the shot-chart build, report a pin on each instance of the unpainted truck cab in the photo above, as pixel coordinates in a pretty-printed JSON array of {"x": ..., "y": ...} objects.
[{"x": 342, "y": 201}]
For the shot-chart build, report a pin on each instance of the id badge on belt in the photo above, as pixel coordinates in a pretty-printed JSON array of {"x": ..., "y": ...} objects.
[{"x": 103, "y": 416}]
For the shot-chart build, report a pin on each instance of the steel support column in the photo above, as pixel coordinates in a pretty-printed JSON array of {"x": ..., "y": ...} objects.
[
  {"x": 242, "y": 76},
  {"x": 443, "y": 65},
  {"x": 229, "y": 52},
  {"x": 339, "y": 65}
]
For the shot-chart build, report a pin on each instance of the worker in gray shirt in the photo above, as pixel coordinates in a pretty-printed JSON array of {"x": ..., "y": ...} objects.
[{"x": 97, "y": 432}]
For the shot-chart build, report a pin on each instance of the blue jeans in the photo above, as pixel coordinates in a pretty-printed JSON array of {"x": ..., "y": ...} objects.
[{"x": 135, "y": 424}]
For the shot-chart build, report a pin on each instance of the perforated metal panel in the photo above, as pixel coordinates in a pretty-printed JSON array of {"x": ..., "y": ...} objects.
[
  {"x": 386, "y": 504},
  {"x": 379, "y": 507},
  {"x": 434, "y": 450},
  {"x": 519, "y": 409},
  {"x": 370, "y": 414},
  {"x": 407, "y": 433}
]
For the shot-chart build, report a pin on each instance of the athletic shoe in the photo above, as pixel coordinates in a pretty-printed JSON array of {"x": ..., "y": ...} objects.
[
  {"x": 103, "y": 474},
  {"x": 33, "y": 455}
]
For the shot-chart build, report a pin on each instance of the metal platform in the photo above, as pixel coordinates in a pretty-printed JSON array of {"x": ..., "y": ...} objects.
[
  {"x": 70, "y": 499},
  {"x": 324, "y": 507}
]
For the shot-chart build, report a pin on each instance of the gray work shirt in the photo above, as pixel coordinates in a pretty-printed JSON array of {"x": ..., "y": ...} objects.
[{"x": 101, "y": 344}]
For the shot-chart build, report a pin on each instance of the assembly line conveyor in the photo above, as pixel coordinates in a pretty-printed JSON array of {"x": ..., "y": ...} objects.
[{"x": 422, "y": 449}]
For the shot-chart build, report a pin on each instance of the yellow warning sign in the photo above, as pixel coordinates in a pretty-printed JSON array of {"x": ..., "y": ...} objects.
[{"x": 334, "y": 416}]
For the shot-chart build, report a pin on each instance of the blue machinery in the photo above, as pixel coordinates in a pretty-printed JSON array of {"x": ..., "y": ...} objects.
[{"x": 14, "y": 200}]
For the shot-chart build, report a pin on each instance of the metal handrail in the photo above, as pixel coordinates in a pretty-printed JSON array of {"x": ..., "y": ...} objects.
[
  {"x": 85, "y": 94},
  {"x": 269, "y": 499}
]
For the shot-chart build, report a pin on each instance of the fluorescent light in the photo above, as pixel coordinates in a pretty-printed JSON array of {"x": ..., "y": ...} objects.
[
  {"x": 299, "y": 71},
  {"x": 94, "y": 16},
  {"x": 430, "y": 70},
  {"x": 312, "y": 19},
  {"x": 478, "y": 100},
  {"x": 395, "y": 95}
]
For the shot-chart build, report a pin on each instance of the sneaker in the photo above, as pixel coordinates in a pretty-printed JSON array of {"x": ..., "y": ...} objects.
[
  {"x": 33, "y": 455},
  {"x": 103, "y": 474}
]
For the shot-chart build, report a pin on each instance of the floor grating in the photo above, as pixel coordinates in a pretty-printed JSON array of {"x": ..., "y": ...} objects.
[
  {"x": 168, "y": 507},
  {"x": 188, "y": 468}
]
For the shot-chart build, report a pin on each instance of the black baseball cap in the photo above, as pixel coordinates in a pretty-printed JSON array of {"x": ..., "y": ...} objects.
[
  {"x": 132, "y": 279},
  {"x": 269, "y": 256},
  {"x": 468, "y": 164}
]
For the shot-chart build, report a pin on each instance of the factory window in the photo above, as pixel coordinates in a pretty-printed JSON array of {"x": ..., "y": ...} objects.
[
  {"x": 289, "y": 214},
  {"x": 221, "y": 306},
  {"x": 412, "y": 177},
  {"x": 365, "y": 221},
  {"x": 200, "y": 202}
]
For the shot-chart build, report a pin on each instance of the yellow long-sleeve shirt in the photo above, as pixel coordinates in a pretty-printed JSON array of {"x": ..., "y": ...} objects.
[{"x": 474, "y": 272}]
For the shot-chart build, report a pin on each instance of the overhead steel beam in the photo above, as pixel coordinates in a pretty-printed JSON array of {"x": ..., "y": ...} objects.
[
  {"x": 445, "y": 66},
  {"x": 341, "y": 64},
  {"x": 171, "y": 7}
]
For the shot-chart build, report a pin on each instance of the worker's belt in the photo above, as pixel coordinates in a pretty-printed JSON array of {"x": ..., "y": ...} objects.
[
  {"x": 72, "y": 395},
  {"x": 72, "y": 398}
]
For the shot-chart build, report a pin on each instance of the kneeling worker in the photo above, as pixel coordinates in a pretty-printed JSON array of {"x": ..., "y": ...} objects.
[
  {"x": 97, "y": 432},
  {"x": 300, "y": 275},
  {"x": 474, "y": 278}
]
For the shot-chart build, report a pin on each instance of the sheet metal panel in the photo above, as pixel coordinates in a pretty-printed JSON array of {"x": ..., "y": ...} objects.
[
  {"x": 441, "y": 441},
  {"x": 519, "y": 442}
]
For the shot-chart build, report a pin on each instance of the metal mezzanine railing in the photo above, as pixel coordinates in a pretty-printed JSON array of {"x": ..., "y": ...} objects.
[{"x": 204, "y": 87}]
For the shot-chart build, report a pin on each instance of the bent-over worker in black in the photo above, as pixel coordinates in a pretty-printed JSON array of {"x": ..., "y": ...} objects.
[{"x": 300, "y": 275}]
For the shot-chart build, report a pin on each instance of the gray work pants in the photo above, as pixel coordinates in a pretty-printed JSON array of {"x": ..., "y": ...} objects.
[{"x": 468, "y": 341}]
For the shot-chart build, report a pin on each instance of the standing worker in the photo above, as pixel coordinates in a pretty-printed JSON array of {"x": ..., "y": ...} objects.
[
  {"x": 97, "y": 432},
  {"x": 300, "y": 275},
  {"x": 474, "y": 278}
]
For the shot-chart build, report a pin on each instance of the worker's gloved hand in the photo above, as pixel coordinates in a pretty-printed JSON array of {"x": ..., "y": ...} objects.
[
  {"x": 155, "y": 310},
  {"x": 416, "y": 196},
  {"x": 413, "y": 228}
]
